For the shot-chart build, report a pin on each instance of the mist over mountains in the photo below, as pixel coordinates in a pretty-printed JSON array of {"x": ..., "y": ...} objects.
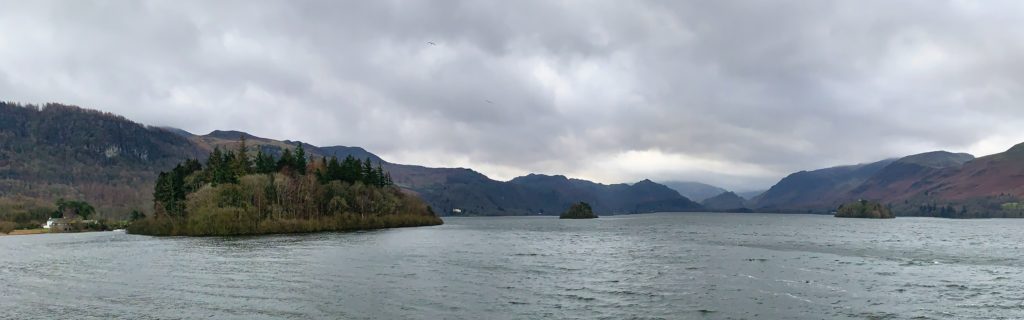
[{"x": 696, "y": 191}]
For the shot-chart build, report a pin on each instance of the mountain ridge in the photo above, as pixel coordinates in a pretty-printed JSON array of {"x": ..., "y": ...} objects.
[
  {"x": 727, "y": 201},
  {"x": 696, "y": 191},
  {"x": 935, "y": 184},
  {"x": 806, "y": 191},
  {"x": 112, "y": 161}
]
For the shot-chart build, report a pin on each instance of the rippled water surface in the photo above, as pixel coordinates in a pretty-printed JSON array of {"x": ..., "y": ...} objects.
[{"x": 662, "y": 266}]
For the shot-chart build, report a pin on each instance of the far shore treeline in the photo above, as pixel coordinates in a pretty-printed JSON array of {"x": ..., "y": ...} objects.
[{"x": 238, "y": 194}]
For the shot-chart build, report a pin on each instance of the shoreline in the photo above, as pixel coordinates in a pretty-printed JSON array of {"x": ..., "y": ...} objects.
[
  {"x": 194, "y": 228},
  {"x": 25, "y": 232},
  {"x": 29, "y": 232}
]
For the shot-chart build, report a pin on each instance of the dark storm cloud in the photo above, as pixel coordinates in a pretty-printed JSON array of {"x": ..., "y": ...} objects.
[{"x": 735, "y": 93}]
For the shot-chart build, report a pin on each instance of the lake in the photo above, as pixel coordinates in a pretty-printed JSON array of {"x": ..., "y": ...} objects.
[{"x": 656, "y": 266}]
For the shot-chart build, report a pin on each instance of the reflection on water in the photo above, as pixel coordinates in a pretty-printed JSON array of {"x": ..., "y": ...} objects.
[{"x": 664, "y": 266}]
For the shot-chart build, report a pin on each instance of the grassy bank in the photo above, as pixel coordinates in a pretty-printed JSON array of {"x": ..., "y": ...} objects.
[
  {"x": 227, "y": 225},
  {"x": 27, "y": 231}
]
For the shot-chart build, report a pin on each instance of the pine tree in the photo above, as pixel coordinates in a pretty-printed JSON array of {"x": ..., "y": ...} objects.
[
  {"x": 212, "y": 163},
  {"x": 220, "y": 167},
  {"x": 243, "y": 164},
  {"x": 162, "y": 193},
  {"x": 265, "y": 163},
  {"x": 334, "y": 170},
  {"x": 225, "y": 173},
  {"x": 369, "y": 175},
  {"x": 379, "y": 176},
  {"x": 286, "y": 160},
  {"x": 177, "y": 204},
  {"x": 192, "y": 165},
  {"x": 351, "y": 169},
  {"x": 170, "y": 191},
  {"x": 299, "y": 161}
]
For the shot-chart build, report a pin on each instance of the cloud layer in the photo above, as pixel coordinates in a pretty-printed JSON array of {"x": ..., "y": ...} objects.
[{"x": 735, "y": 93}]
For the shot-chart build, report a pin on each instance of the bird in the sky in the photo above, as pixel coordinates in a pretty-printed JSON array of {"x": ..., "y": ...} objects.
[
  {"x": 431, "y": 43},
  {"x": 489, "y": 101}
]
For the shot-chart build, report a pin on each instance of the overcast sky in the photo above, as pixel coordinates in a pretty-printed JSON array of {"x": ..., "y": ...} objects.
[{"x": 733, "y": 93}]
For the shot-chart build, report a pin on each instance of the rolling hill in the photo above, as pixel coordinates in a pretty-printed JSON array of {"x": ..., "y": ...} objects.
[
  {"x": 909, "y": 175},
  {"x": 695, "y": 191},
  {"x": 59, "y": 151},
  {"x": 818, "y": 190},
  {"x": 937, "y": 184},
  {"x": 727, "y": 201},
  {"x": 471, "y": 193}
]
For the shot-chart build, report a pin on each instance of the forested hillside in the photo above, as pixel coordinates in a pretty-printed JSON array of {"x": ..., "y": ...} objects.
[{"x": 58, "y": 151}]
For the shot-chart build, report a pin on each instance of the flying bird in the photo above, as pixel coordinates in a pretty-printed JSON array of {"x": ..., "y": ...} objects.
[
  {"x": 431, "y": 43},
  {"x": 489, "y": 101}
]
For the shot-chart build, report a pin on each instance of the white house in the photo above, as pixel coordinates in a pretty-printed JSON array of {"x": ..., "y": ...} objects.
[{"x": 49, "y": 223}]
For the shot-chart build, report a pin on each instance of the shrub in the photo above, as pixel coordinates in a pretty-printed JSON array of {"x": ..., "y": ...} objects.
[{"x": 7, "y": 226}]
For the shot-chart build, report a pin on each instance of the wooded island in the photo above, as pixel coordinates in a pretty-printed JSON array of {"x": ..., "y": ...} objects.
[{"x": 235, "y": 194}]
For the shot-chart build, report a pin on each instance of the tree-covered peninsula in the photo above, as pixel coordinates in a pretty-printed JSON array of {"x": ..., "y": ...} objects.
[
  {"x": 238, "y": 194},
  {"x": 579, "y": 210},
  {"x": 864, "y": 209}
]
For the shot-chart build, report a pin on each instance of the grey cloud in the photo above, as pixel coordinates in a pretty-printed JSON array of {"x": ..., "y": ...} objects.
[{"x": 780, "y": 85}]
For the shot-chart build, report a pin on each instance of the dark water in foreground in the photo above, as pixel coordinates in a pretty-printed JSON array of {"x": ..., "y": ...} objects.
[{"x": 647, "y": 267}]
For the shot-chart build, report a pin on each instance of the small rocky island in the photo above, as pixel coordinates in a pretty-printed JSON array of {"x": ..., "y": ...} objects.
[
  {"x": 580, "y": 210},
  {"x": 864, "y": 209}
]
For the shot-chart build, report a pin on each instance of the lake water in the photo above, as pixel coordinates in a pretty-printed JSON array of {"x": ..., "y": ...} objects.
[{"x": 661, "y": 266}]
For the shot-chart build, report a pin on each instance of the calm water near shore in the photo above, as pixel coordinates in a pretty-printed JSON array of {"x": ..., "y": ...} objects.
[{"x": 660, "y": 266}]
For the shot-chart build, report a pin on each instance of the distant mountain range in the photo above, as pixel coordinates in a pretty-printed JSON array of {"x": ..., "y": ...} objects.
[
  {"x": 61, "y": 151},
  {"x": 460, "y": 191},
  {"x": 941, "y": 184},
  {"x": 750, "y": 194},
  {"x": 727, "y": 201},
  {"x": 818, "y": 189},
  {"x": 696, "y": 191}
]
